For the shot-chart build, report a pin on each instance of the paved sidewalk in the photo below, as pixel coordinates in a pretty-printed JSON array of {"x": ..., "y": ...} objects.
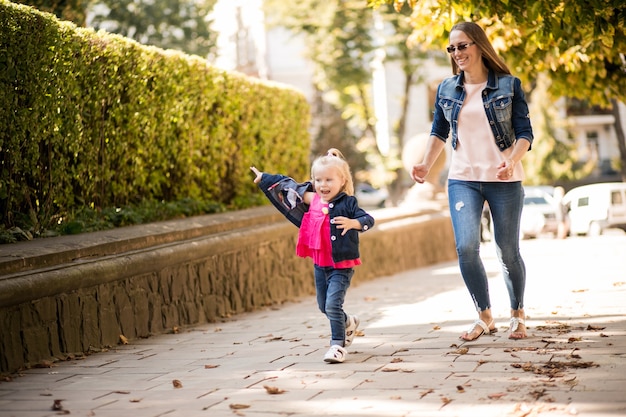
[{"x": 406, "y": 361}]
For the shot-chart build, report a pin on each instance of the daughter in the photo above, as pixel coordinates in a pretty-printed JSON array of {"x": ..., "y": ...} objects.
[{"x": 329, "y": 219}]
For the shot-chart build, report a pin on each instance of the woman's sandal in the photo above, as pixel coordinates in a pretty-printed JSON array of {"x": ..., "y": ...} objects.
[
  {"x": 514, "y": 333},
  {"x": 484, "y": 329}
]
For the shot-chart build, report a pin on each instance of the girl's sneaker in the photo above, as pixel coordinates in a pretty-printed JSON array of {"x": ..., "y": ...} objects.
[
  {"x": 351, "y": 325},
  {"x": 336, "y": 354}
]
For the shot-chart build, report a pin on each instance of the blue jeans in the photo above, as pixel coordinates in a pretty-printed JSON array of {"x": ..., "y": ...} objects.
[
  {"x": 506, "y": 200},
  {"x": 331, "y": 286}
]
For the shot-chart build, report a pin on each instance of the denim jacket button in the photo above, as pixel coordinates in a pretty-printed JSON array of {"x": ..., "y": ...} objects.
[
  {"x": 332, "y": 221},
  {"x": 365, "y": 228},
  {"x": 331, "y": 205},
  {"x": 333, "y": 238}
]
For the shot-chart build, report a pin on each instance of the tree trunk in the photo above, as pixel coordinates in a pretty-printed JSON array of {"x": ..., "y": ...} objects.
[{"x": 621, "y": 141}]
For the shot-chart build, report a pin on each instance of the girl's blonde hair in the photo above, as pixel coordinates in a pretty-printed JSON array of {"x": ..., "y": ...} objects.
[
  {"x": 477, "y": 35},
  {"x": 334, "y": 158}
]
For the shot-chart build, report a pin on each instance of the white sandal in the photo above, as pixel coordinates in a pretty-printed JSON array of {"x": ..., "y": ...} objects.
[
  {"x": 336, "y": 354},
  {"x": 485, "y": 330},
  {"x": 515, "y": 323}
]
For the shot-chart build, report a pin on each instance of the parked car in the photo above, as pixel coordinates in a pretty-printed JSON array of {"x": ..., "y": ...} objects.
[
  {"x": 539, "y": 214},
  {"x": 596, "y": 207},
  {"x": 369, "y": 196}
]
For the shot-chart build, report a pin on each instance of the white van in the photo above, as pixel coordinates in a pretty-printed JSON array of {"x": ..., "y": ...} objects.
[{"x": 596, "y": 207}]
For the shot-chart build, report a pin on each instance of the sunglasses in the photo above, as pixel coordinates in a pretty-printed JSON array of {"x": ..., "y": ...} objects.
[{"x": 460, "y": 47}]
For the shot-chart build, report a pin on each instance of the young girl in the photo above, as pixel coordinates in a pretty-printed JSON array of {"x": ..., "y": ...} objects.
[{"x": 329, "y": 219}]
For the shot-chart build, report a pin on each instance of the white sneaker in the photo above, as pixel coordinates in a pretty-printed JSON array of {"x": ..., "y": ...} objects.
[
  {"x": 351, "y": 325},
  {"x": 336, "y": 354}
]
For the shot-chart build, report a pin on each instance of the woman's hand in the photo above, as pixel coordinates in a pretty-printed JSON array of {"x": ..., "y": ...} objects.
[
  {"x": 505, "y": 170},
  {"x": 419, "y": 172},
  {"x": 258, "y": 174}
]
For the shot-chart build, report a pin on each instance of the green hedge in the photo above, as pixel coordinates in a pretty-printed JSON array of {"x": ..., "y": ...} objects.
[{"x": 91, "y": 119}]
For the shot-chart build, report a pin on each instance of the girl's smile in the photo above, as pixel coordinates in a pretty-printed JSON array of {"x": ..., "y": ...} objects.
[{"x": 328, "y": 183}]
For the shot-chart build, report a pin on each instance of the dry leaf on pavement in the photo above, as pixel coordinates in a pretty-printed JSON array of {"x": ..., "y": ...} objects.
[
  {"x": 425, "y": 393},
  {"x": 238, "y": 406},
  {"x": 273, "y": 390}
]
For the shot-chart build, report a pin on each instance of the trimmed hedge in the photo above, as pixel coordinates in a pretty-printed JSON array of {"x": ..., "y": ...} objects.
[{"x": 91, "y": 119}]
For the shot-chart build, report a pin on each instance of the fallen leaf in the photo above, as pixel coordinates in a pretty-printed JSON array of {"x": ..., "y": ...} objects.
[
  {"x": 273, "y": 390},
  {"x": 121, "y": 392},
  {"x": 238, "y": 406},
  {"x": 274, "y": 338},
  {"x": 583, "y": 290},
  {"x": 175, "y": 329},
  {"x": 436, "y": 327},
  {"x": 496, "y": 395},
  {"x": 123, "y": 339},
  {"x": 395, "y": 397},
  {"x": 593, "y": 328},
  {"x": 425, "y": 393},
  {"x": 574, "y": 339},
  {"x": 57, "y": 406},
  {"x": 445, "y": 401},
  {"x": 210, "y": 366},
  {"x": 44, "y": 364},
  {"x": 177, "y": 383},
  {"x": 460, "y": 388},
  {"x": 461, "y": 351},
  {"x": 135, "y": 400},
  {"x": 396, "y": 360}
]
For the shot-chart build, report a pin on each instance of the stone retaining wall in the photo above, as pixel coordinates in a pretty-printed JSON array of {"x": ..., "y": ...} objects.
[{"x": 94, "y": 295}]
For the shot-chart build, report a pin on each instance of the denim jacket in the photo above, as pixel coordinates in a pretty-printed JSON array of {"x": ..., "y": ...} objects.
[
  {"x": 504, "y": 103},
  {"x": 287, "y": 196}
]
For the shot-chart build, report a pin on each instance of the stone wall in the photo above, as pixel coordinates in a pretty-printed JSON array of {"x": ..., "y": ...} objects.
[{"x": 71, "y": 296}]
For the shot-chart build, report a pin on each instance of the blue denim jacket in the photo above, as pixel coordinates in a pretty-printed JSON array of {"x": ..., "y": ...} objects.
[
  {"x": 504, "y": 103},
  {"x": 287, "y": 196}
]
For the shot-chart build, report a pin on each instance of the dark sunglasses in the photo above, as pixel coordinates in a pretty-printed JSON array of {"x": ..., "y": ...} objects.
[{"x": 460, "y": 47}]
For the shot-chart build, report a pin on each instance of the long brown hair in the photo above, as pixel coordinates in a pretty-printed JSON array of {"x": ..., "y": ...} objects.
[{"x": 479, "y": 37}]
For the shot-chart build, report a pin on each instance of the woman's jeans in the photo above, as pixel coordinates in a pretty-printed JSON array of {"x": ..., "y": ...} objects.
[
  {"x": 331, "y": 286},
  {"x": 505, "y": 199}
]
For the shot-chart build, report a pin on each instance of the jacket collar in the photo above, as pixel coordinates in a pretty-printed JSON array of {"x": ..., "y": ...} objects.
[{"x": 492, "y": 80}]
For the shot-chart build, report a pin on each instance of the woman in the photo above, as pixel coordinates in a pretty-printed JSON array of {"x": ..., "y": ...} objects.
[{"x": 484, "y": 107}]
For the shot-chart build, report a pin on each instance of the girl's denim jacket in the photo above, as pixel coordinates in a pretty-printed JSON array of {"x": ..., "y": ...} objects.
[
  {"x": 287, "y": 196},
  {"x": 504, "y": 103}
]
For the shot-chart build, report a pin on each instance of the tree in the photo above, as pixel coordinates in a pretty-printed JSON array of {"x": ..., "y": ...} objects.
[
  {"x": 168, "y": 24},
  {"x": 72, "y": 10},
  {"x": 580, "y": 45},
  {"x": 343, "y": 41}
]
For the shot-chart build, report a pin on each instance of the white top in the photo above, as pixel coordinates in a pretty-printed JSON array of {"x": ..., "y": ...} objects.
[{"x": 476, "y": 157}]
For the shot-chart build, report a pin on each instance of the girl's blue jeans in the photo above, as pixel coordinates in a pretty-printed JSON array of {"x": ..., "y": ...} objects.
[
  {"x": 506, "y": 200},
  {"x": 331, "y": 286}
]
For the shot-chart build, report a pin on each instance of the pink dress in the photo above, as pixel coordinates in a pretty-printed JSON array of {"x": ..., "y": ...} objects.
[{"x": 314, "y": 237}]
